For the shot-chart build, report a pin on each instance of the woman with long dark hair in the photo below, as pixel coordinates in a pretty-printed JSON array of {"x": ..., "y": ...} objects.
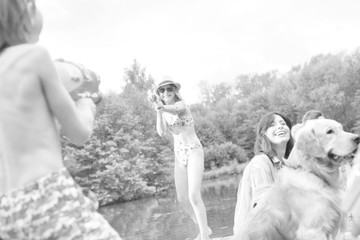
[{"x": 272, "y": 147}]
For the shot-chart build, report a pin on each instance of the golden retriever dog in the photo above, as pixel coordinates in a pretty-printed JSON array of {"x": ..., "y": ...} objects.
[{"x": 304, "y": 202}]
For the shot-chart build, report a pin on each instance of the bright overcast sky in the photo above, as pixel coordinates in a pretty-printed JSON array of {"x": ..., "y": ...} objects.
[{"x": 196, "y": 40}]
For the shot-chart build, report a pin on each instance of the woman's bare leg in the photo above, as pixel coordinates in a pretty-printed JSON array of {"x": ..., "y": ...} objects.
[
  {"x": 195, "y": 171},
  {"x": 181, "y": 185}
]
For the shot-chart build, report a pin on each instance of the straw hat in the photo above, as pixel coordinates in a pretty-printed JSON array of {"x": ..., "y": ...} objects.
[{"x": 167, "y": 81}]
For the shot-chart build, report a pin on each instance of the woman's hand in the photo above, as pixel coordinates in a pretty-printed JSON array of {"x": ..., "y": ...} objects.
[
  {"x": 155, "y": 99},
  {"x": 159, "y": 106},
  {"x": 152, "y": 96}
]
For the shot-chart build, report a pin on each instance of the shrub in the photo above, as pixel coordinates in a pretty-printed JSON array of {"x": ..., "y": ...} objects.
[{"x": 223, "y": 154}]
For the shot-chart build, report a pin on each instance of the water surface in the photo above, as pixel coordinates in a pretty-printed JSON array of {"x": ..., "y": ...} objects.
[{"x": 162, "y": 218}]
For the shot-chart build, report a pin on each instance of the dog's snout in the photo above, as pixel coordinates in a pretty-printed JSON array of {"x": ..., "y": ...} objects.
[{"x": 357, "y": 139}]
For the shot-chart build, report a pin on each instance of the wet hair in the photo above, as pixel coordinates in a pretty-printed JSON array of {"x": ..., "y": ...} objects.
[
  {"x": 16, "y": 16},
  {"x": 312, "y": 114},
  {"x": 262, "y": 143}
]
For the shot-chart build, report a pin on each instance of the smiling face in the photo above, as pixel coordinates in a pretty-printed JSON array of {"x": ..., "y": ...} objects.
[
  {"x": 278, "y": 132},
  {"x": 167, "y": 93}
]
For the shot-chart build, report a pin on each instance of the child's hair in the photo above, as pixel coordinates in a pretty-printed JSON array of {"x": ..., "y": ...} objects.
[
  {"x": 312, "y": 114},
  {"x": 15, "y": 18},
  {"x": 262, "y": 143}
]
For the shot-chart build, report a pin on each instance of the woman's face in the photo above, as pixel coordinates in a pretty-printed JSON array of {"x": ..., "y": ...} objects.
[
  {"x": 167, "y": 93},
  {"x": 278, "y": 132}
]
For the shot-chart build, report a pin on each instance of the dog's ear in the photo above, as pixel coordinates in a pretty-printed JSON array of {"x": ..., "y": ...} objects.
[{"x": 307, "y": 142}]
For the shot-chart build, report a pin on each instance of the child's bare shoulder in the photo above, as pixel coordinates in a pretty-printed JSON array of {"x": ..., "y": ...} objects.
[
  {"x": 37, "y": 52},
  {"x": 24, "y": 53}
]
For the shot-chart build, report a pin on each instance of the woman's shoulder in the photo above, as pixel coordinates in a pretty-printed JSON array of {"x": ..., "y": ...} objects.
[
  {"x": 182, "y": 107},
  {"x": 260, "y": 157},
  {"x": 260, "y": 160},
  {"x": 180, "y": 103}
]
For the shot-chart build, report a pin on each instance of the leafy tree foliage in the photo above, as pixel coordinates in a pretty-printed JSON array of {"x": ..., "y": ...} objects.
[
  {"x": 135, "y": 77},
  {"x": 124, "y": 159}
]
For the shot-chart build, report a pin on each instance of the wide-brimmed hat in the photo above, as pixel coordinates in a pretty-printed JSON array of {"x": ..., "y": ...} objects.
[{"x": 167, "y": 81}]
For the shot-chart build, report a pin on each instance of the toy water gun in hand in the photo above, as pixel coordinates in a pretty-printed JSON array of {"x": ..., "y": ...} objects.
[
  {"x": 78, "y": 80},
  {"x": 154, "y": 98}
]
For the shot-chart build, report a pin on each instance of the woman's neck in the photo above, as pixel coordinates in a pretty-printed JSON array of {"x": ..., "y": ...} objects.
[
  {"x": 280, "y": 151},
  {"x": 171, "y": 102}
]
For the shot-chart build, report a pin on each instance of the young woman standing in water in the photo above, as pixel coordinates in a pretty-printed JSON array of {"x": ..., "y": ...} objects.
[{"x": 175, "y": 116}]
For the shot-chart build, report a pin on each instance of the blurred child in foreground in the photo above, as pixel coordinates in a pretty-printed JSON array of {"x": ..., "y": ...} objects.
[{"x": 38, "y": 197}]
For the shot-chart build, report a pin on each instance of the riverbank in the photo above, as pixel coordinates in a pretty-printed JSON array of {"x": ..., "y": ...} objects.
[
  {"x": 346, "y": 236},
  {"x": 223, "y": 238},
  {"x": 234, "y": 168}
]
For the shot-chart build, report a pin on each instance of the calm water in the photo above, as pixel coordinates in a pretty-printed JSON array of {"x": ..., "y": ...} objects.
[{"x": 161, "y": 218}]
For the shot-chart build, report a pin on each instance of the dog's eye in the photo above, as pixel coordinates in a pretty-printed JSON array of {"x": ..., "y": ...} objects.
[{"x": 330, "y": 131}]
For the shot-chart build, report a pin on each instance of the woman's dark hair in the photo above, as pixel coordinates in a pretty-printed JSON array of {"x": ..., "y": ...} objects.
[{"x": 262, "y": 143}]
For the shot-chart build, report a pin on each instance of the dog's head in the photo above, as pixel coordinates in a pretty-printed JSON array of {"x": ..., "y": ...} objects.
[{"x": 325, "y": 140}]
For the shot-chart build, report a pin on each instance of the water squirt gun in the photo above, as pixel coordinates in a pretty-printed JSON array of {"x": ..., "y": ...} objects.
[
  {"x": 78, "y": 80},
  {"x": 152, "y": 97}
]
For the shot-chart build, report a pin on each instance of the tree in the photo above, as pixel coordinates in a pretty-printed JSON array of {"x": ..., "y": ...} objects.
[
  {"x": 212, "y": 94},
  {"x": 246, "y": 85},
  {"x": 135, "y": 77}
]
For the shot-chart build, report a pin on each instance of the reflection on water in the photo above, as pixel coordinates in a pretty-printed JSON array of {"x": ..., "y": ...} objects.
[{"x": 161, "y": 218}]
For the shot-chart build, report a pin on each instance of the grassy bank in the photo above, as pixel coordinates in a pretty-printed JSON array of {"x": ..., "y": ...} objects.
[{"x": 234, "y": 168}]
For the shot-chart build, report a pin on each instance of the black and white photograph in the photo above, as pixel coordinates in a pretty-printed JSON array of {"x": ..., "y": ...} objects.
[{"x": 179, "y": 120}]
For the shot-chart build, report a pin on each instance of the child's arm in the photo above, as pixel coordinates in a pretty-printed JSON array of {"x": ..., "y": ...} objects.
[{"x": 76, "y": 119}]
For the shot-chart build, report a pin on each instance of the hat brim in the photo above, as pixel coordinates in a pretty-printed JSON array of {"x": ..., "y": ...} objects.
[{"x": 167, "y": 82}]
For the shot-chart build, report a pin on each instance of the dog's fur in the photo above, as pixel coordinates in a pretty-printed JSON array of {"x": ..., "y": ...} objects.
[{"x": 304, "y": 202}]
